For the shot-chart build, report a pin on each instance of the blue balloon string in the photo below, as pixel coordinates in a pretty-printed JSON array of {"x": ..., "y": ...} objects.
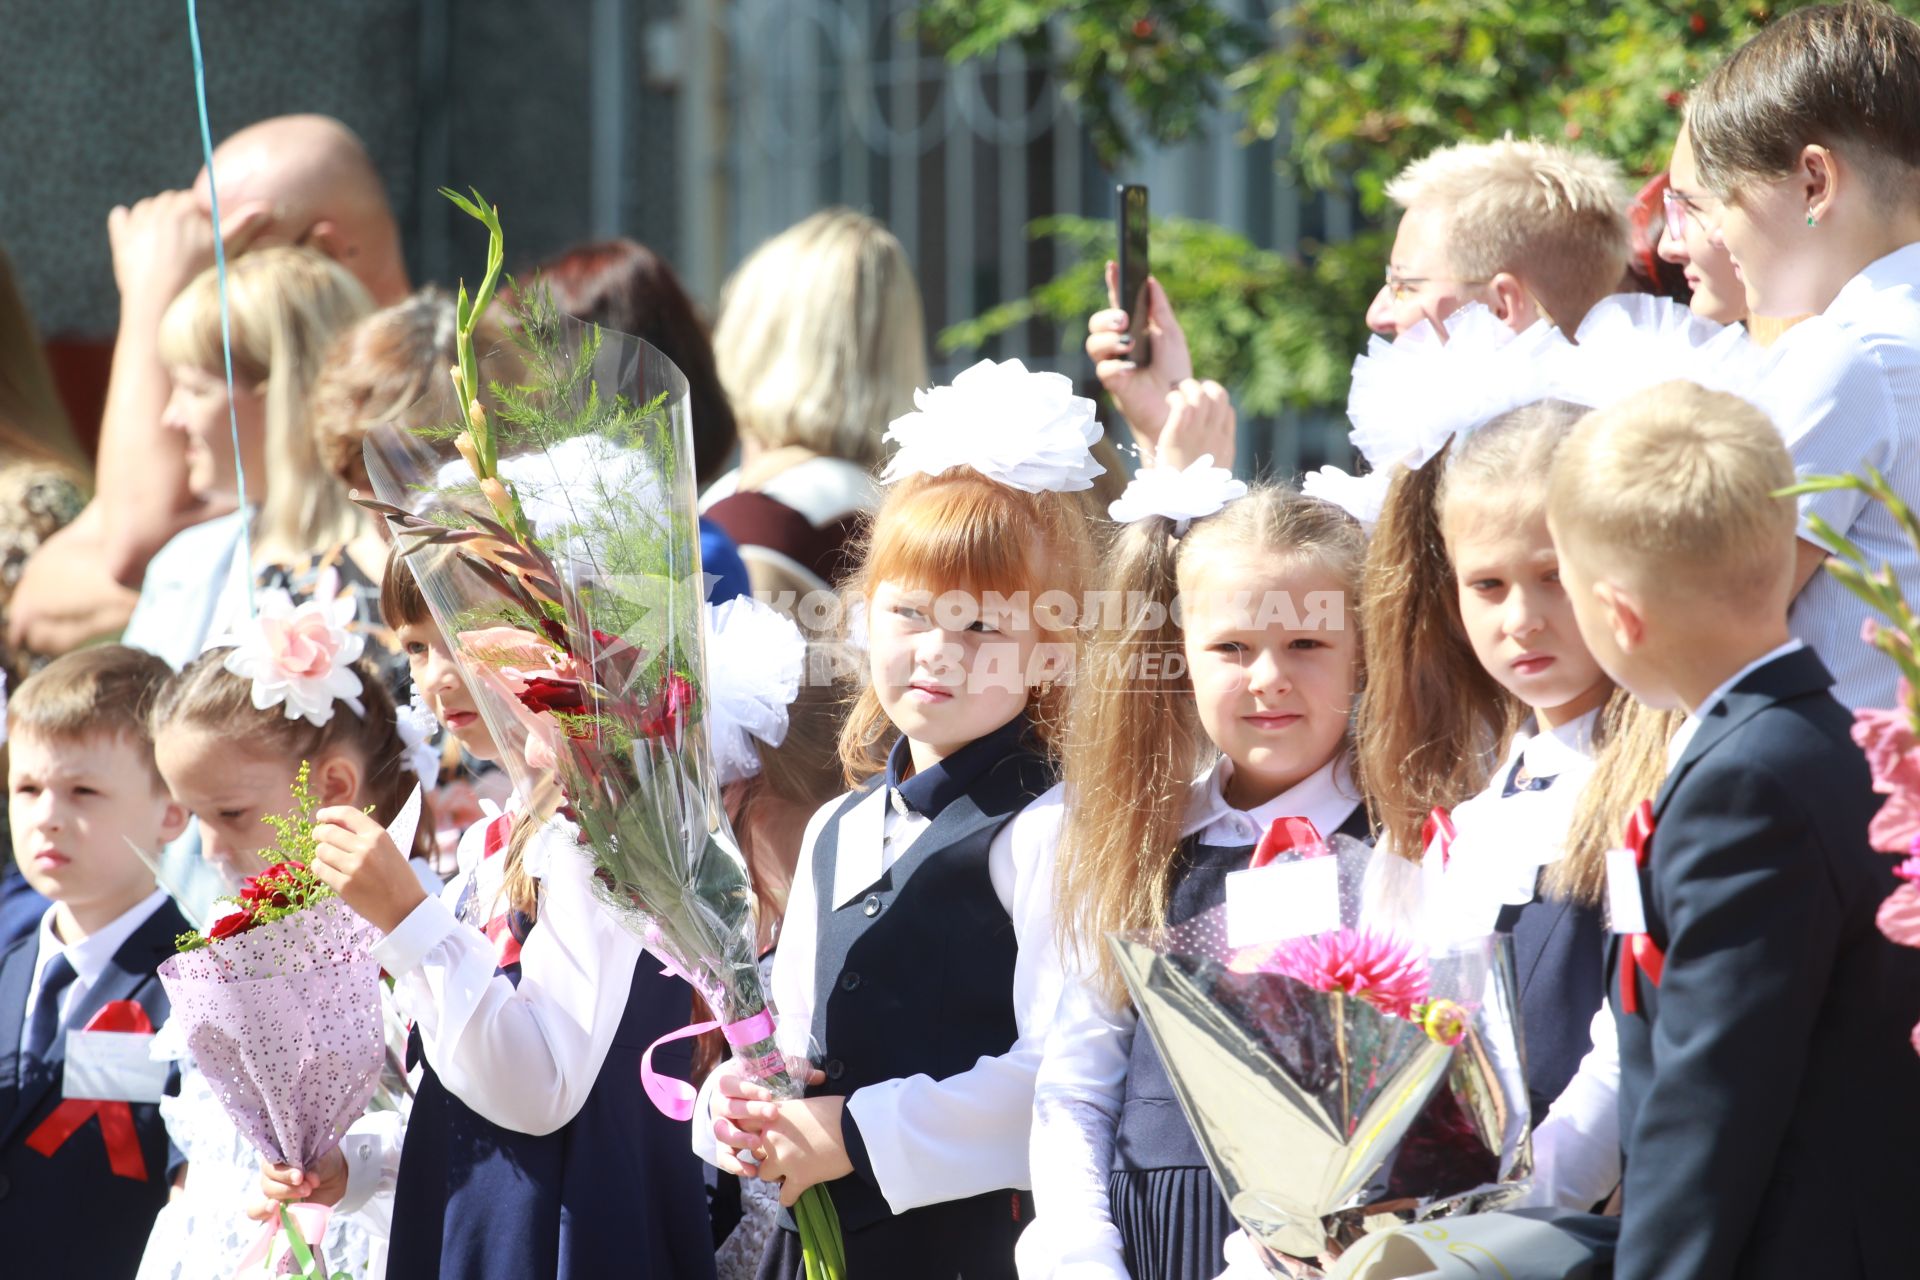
[{"x": 226, "y": 323}]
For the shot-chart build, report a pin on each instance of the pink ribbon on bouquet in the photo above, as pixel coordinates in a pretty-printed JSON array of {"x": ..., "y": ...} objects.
[
  {"x": 312, "y": 1220},
  {"x": 674, "y": 1097}
]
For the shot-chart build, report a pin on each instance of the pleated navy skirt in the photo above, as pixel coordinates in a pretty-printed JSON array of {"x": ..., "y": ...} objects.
[{"x": 1173, "y": 1223}]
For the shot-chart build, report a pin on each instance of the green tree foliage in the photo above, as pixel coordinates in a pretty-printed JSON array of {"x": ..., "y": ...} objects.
[{"x": 1351, "y": 90}]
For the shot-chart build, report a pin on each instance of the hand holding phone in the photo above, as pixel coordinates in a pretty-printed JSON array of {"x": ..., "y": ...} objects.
[{"x": 1134, "y": 270}]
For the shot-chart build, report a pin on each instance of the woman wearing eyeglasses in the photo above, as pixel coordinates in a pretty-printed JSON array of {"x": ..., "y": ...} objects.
[{"x": 1718, "y": 294}]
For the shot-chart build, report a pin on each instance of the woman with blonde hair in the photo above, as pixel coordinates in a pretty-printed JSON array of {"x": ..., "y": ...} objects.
[
  {"x": 286, "y": 305},
  {"x": 821, "y": 343}
]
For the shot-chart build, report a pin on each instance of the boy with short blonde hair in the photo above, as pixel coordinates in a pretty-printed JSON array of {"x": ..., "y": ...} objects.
[
  {"x": 1757, "y": 1003},
  {"x": 83, "y": 1152}
]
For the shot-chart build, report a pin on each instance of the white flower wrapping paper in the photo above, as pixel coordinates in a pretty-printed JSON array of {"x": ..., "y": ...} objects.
[{"x": 1024, "y": 429}]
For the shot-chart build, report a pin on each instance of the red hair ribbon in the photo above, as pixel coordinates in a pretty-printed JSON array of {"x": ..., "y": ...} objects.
[
  {"x": 116, "y": 1118},
  {"x": 1642, "y": 954},
  {"x": 1289, "y": 835},
  {"x": 1437, "y": 830}
]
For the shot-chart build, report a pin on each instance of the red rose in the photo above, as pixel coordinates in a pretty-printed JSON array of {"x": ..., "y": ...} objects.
[
  {"x": 546, "y": 693},
  {"x": 1698, "y": 24},
  {"x": 227, "y": 926},
  {"x": 268, "y": 888},
  {"x": 662, "y": 717}
]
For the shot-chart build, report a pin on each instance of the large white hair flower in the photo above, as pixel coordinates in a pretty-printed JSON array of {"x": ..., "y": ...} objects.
[
  {"x": 1362, "y": 497},
  {"x": 1412, "y": 395},
  {"x": 1181, "y": 494},
  {"x": 756, "y": 658},
  {"x": 1630, "y": 342},
  {"x": 1023, "y": 429},
  {"x": 416, "y": 726},
  {"x": 299, "y": 656}
]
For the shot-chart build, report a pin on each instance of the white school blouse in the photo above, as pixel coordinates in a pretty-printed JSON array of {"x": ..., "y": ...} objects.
[
  {"x": 1844, "y": 389},
  {"x": 1083, "y": 1073},
  {"x": 522, "y": 1057},
  {"x": 929, "y": 1141}
]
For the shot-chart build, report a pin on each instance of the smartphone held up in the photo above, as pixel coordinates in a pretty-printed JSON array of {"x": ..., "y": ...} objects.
[{"x": 1134, "y": 270}]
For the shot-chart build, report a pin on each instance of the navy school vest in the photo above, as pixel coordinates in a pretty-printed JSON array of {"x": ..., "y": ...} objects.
[{"x": 915, "y": 975}]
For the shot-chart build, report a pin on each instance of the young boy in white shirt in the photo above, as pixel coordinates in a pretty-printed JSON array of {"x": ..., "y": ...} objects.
[{"x": 84, "y": 1162}]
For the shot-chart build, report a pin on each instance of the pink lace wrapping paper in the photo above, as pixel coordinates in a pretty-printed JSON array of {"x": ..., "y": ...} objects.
[{"x": 284, "y": 1022}]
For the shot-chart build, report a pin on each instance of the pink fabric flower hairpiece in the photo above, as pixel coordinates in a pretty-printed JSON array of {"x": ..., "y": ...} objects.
[{"x": 299, "y": 656}]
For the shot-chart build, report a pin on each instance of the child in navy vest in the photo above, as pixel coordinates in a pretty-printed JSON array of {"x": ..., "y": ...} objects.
[
  {"x": 1462, "y": 568},
  {"x": 1187, "y": 741},
  {"x": 531, "y": 1152},
  {"x": 915, "y": 970},
  {"x": 84, "y": 1160}
]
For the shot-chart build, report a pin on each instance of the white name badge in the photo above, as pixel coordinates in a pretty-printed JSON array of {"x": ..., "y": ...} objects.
[
  {"x": 1624, "y": 907},
  {"x": 1283, "y": 900},
  {"x": 113, "y": 1066}
]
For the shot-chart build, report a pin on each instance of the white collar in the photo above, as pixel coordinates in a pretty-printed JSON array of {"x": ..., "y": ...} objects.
[
  {"x": 90, "y": 955},
  {"x": 1901, "y": 268},
  {"x": 1548, "y": 755},
  {"x": 1326, "y": 797},
  {"x": 1691, "y": 725}
]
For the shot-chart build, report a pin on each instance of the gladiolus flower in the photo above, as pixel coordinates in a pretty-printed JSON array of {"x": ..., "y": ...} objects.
[
  {"x": 1893, "y": 757},
  {"x": 662, "y": 719}
]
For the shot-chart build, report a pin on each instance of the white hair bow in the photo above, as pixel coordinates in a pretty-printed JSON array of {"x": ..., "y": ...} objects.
[
  {"x": 1182, "y": 495},
  {"x": 1024, "y": 429},
  {"x": 756, "y": 658}
]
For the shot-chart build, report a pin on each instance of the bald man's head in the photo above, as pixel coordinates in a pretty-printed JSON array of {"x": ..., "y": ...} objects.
[{"x": 314, "y": 176}]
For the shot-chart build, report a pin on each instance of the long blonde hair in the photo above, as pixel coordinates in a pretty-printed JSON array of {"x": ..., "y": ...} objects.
[
  {"x": 821, "y": 341},
  {"x": 33, "y": 424},
  {"x": 286, "y": 304},
  {"x": 1134, "y": 738},
  {"x": 959, "y": 531},
  {"x": 1433, "y": 724}
]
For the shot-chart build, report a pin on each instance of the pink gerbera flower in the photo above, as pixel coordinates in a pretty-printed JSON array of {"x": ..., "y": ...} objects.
[{"x": 1377, "y": 967}]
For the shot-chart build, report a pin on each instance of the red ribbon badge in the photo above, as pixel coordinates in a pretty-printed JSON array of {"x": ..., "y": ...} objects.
[
  {"x": 1289, "y": 835},
  {"x": 116, "y": 1118},
  {"x": 1642, "y": 954},
  {"x": 1437, "y": 830},
  {"x": 499, "y": 930}
]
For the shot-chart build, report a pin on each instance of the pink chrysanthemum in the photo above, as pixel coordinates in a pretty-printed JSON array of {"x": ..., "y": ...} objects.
[{"x": 1379, "y": 968}]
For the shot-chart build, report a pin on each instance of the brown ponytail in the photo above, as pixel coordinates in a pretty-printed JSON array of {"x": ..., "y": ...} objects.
[{"x": 1431, "y": 718}]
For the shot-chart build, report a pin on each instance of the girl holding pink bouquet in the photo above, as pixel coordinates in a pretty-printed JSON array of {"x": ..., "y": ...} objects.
[
  {"x": 231, "y": 732},
  {"x": 914, "y": 972},
  {"x": 1192, "y": 733},
  {"x": 530, "y": 1150}
]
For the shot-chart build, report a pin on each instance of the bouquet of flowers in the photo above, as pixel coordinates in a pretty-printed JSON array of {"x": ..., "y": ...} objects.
[
  {"x": 280, "y": 1004},
  {"x": 557, "y": 547},
  {"x": 1339, "y": 1078}
]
